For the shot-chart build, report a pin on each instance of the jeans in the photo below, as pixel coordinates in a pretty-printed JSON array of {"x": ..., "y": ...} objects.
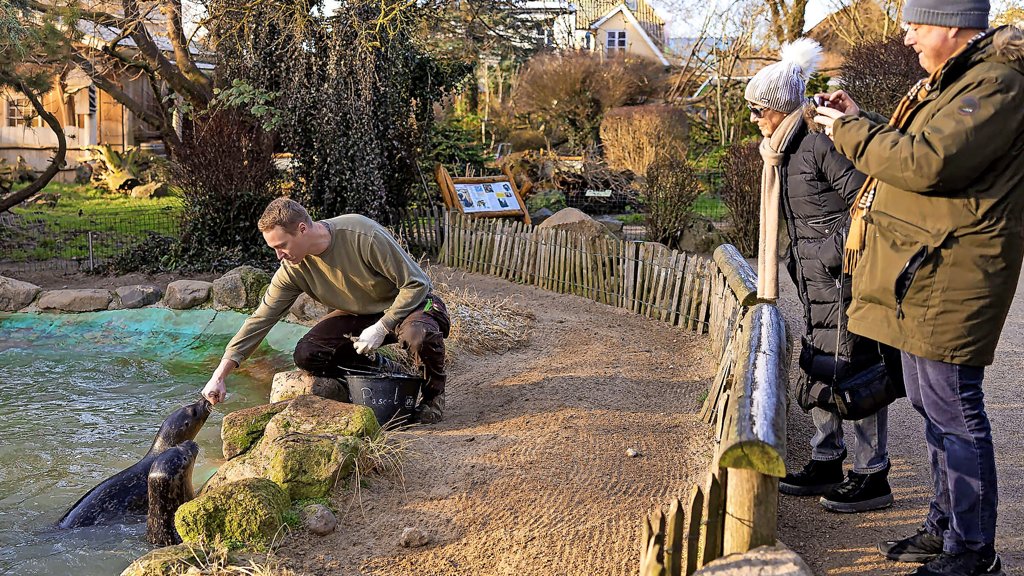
[
  {"x": 949, "y": 396},
  {"x": 870, "y": 451}
]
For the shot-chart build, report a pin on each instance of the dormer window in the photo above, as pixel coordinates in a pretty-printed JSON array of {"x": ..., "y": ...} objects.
[{"x": 616, "y": 40}]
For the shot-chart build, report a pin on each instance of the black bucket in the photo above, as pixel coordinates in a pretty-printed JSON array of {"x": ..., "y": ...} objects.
[{"x": 392, "y": 397}]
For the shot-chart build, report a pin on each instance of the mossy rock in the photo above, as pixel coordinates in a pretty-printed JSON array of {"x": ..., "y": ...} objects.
[
  {"x": 248, "y": 512},
  {"x": 309, "y": 466},
  {"x": 255, "y": 282},
  {"x": 242, "y": 429},
  {"x": 311, "y": 414},
  {"x": 307, "y": 447}
]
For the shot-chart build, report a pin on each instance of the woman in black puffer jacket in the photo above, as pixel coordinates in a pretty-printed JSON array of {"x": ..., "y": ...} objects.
[{"x": 816, "y": 187}]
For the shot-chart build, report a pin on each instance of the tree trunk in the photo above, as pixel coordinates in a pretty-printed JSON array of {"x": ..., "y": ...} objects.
[{"x": 39, "y": 183}]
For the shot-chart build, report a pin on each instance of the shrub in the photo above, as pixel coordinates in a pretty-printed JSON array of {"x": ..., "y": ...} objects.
[
  {"x": 567, "y": 94},
  {"x": 741, "y": 192},
  {"x": 634, "y": 137},
  {"x": 878, "y": 74},
  {"x": 227, "y": 177},
  {"x": 672, "y": 187}
]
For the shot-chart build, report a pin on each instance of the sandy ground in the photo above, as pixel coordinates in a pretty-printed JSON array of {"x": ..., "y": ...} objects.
[
  {"x": 528, "y": 474},
  {"x": 845, "y": 544}
]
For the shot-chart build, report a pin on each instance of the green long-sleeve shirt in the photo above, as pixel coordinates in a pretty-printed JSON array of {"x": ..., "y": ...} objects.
[{"x": 362, "y": 271}]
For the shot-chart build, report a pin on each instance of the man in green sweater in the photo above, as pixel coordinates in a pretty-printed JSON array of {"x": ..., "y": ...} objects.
[{"x": 352, "y": 265}]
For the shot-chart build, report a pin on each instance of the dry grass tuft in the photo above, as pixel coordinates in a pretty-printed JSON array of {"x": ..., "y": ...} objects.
[
  {"x": 216, "y": 559},
  {"x": 482, "y": 324}
]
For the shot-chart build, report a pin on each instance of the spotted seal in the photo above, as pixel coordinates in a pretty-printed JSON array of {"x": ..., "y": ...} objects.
[
  {"x": 170, "y": 486},
  {"x": 125, "y": 493}
]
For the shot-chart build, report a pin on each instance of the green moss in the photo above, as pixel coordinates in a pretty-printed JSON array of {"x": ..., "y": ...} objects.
[
  {"x": 309, "y": 466},
  {"x": 254, "y": 282},
  {"x": 249, "y": 512},
  {"x": 241, "y": 430}
]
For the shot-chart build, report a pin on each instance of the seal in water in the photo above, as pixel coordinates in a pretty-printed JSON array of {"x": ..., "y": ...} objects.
[
  {"x": 126, "y": 492},
  {"x": 170, "y": 486}
]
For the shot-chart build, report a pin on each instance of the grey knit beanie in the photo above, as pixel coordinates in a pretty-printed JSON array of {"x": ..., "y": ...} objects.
[
  {"x": 783, "y": 86},
  {"x": 947, "y": 13}
]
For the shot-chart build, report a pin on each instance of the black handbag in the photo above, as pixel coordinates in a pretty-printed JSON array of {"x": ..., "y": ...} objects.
[{"x": 858, "y": 395}]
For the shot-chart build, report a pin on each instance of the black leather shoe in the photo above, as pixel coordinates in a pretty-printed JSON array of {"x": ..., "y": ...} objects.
[
  {"x": 921, "y": 547},
  {"x": 817, "y": 477},
  {"x": 969, "y": 563},
  {"x": 860, "y": 493}
]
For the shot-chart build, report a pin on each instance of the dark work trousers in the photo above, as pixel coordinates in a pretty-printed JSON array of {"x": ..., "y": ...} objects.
[
  {"x": 326, "y": 350},
  {"x": 949, "y": 396}
]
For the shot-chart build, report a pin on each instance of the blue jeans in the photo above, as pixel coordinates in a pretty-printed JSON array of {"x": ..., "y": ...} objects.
[
  {"x": 870, "y": 451},
  {"x": 949, "y": 396}
]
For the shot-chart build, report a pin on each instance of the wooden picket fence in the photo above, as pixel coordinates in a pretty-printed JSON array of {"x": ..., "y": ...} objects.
[
  {"x": 647, "y": 278},
  {"x": 421, "y": 230}
]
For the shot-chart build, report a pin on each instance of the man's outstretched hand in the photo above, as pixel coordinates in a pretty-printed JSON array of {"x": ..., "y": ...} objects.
[
  {"x": 371, "y": 338},
  {"x": 215, "y": 391}
]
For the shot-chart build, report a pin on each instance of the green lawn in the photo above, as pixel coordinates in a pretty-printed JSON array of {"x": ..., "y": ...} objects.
[{"x": 113, "y": 221}]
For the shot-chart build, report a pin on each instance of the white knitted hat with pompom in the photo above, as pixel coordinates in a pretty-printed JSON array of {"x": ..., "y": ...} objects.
[{"x": 782, "y": 86}]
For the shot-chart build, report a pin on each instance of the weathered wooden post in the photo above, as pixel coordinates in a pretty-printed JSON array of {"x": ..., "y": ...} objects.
[{"x": 754, "y": 436}]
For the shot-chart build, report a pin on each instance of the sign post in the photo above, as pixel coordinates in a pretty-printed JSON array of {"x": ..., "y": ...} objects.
[{"x": 486, "y": 196}]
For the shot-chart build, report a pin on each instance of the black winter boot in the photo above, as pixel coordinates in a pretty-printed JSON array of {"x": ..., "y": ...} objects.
[
  {"x": 860, "y": 493},
  {"x": 967, "y": 563},
  {"x": 817, "y": 477}
]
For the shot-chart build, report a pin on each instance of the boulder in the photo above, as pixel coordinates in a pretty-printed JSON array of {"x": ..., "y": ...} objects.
[
  {"x": 761, "y": 561},
  {"x": 85, "y": 300},
  {"x": 613, "y": 224},
  {"x": 307, "y": 310},
  {"x": 575, "y": 221},
  {"x": 152, "y": 190},
  {"x": 249, "y": 511},
  {"x": 319, "y": 519},
  {"x": 288, "y": 385},
  {"x": 305, "y": 448},
  {"x": 15, "y": 294},
  {"x": 184, "y": 294},
  {"x": 240, "y": 288},
  {"x": 137, "y": 296},
  {"x": 242, "y": 429}
]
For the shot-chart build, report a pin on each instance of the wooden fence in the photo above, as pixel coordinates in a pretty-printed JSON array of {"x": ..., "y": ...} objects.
[
  {"x": 736, "y": 509},
  {"x": 647, "y": 278}
]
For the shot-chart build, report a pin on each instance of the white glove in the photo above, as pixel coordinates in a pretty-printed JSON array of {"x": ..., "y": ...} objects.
[{"x": 371, "y": 338}]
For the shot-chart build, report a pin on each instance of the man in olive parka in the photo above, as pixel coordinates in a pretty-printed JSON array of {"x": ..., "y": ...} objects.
[{"x": 935, "y": 251}]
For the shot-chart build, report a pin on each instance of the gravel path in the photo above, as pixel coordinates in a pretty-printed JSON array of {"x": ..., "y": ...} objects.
[{"x": 845, "y": 544}]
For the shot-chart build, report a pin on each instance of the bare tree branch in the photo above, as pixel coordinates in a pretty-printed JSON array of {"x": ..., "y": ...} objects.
[{"x": 56, "y": 162}]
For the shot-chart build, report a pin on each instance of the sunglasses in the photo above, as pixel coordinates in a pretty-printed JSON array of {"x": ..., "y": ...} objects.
[{"x": 757, "y": 111}]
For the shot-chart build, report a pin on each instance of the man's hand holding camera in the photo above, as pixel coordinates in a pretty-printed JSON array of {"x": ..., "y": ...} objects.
[{"x": 830, "y": 107}]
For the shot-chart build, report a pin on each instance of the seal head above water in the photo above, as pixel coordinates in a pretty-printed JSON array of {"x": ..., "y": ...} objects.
[{"x": 125, "y": 493}]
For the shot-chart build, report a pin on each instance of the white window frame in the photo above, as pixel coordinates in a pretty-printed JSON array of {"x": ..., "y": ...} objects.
[
  {"x": 615, "y": 40},
  {"x": 17, "y": 109}
]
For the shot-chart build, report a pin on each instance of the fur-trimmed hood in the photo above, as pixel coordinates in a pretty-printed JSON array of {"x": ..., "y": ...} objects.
[{"x": 1008, "y": 43}]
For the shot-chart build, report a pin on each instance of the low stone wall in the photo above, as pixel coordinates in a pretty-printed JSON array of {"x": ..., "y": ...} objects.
[{"x": 240, "y": 289}]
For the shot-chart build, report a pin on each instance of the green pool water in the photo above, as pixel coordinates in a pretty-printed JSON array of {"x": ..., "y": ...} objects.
[{"x": 81, "y": 397}]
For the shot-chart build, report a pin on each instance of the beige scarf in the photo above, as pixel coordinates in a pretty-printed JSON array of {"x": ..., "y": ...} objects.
[{"x": 771, "y": 190}]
